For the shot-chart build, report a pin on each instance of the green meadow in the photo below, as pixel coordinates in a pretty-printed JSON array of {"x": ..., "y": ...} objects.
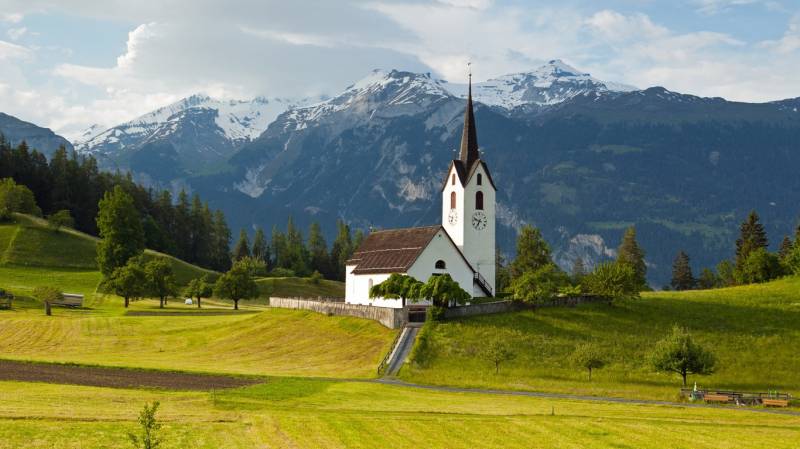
[{"x": 754, "y": 331}]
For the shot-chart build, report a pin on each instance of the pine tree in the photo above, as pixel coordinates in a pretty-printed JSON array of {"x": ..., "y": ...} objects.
[
  {"x": 341, "y": 250},
  {"x": 752, "y": 237},
  {"x": 295, "y": 249},
  {"x": 533, "y": 252},
  {"x": 260, "y": 247},
  {"x": 278, "y": 243},
  {"x": 682, "y": 277},
  {"x": 708, "y": 279},
  {"x": 222, "y": 241},
  {"x": 786, "y": 247},
  {"x": 183, "y": 232},
  {"x": 629, "y": 252},
  {"x": 120, "y": 230},
  {"x": 242, "y": 248},
  {"x": 318, "y": 249}
]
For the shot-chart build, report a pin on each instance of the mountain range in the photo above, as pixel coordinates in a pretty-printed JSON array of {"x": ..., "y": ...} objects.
[{"x": 579, "y": 157}]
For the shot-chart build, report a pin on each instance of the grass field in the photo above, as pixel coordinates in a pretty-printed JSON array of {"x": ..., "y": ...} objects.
[
  {"x": 754, "y": 331},
  {"x": 274, "y": 342},
  {"x": 297, "y": 413}
]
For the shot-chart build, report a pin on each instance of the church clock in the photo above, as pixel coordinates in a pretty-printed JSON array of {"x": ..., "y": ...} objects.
[
  {"x": 452, "y": 217},
  {"x": 479, "y": 220}
]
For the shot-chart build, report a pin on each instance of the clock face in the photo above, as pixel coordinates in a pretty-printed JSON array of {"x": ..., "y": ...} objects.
[
  {"x": 479, "y": 220},
  {"x": 452, "y": 217}
]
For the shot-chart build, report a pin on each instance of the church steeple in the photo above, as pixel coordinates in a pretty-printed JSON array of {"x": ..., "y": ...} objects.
[{"x": 469, "y": 137}]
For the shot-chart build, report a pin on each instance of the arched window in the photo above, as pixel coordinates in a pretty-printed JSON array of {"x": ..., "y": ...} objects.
[
  {"x": 453, "y": 180},
  {"x": 479, "y": 200},
  {"x": 452, "y": 200},
  {"x": 369, "y": 285},
  {"x": 440, "y": 265},
  {"x": 480, "y": 179}
]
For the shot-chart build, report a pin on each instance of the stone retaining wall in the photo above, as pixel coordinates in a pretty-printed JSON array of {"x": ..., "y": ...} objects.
[
  {"x": 511, "y": 306},
  {"x": 389, "y": 317}
]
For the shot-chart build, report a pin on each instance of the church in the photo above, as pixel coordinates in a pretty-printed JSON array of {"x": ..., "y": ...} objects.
[{"x": 463, "y": 245}]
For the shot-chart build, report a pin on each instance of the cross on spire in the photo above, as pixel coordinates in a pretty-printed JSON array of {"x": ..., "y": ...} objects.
[{"x": 469, "y": 136}]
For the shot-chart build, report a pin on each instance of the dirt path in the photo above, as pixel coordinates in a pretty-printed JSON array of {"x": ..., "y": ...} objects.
[{"x": 96, "y": 376}]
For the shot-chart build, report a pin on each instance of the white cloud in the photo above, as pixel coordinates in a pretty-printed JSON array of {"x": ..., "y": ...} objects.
[
  {"x": 11, "y": 17},
  {"x": 16, "y": 33},
  {"x": 790, "y": 42},
  {"x": 615, "y": 26},
  {"x": 13, "y": 51}
]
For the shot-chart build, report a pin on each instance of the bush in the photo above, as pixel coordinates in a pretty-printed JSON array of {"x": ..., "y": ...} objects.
[
  {"x": 792, "y": 260},
  {"x": 316, "y": 277},
  {"x": 612, "y": 280},
  {"x": 282, "y": 273},
  {"x": 435, "y": 313},
  {"x": 60, "y": 219}
]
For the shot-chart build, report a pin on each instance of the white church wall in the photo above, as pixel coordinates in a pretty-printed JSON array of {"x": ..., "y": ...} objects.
[
  {"x": 358, "y": 286},
  {"x": 440, "y": 248},
  {"x": 456, "y": 230},
  {"x": 479, "y": 245}
]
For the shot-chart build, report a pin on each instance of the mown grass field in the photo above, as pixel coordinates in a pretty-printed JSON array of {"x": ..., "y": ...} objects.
[
  {"x": 297, "y": 413},
  {"x": 754, "y": 331}
]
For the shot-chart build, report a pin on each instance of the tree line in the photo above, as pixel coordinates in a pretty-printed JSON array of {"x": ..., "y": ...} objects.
[
  {"x": 753, "y": 261},
  {"x": 183, "y": 227},
  {"x": 292, "y": 254}
]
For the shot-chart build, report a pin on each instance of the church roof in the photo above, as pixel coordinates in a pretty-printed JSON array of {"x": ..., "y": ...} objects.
[
  {"x": 391, "y": 250},
  {"x": 469, "y": 136}
]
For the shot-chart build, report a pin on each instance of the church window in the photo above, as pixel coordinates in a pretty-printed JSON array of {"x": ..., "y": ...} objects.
[
  {"x": 480, "y": 179},
  {"x": 452, "y": 200},
  {"x": 453, "y": 179},
  {"x": 369, "y": 284},
  {"x": 479, "y": 200},
  {"x": 440, "y": 265}
]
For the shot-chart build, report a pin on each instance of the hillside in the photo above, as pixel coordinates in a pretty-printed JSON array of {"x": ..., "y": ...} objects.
[
  {"x": 45, "y": 140},
  {"x": 753, "y": 331}
]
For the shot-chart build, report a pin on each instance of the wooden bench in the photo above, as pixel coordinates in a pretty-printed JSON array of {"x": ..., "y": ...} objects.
[
  {"x": 717, "y": 398},
  {"x": 775, "y": 402}
]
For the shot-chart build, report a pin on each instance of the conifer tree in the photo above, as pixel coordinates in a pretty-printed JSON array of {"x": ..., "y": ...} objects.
[
  {"x": 278, "y": 244},
  {"x": 341, "y": 250},
  {"x": 260, "y": 247},
  {"x": 751, "y": 238},
  {"x": 708, "y": 279},
  {"x": 786, "y": 247},
  {"x": 682, "y": 277},
  {"x": 318, "y": 249},
  {"x": 631, "y": 253},
  {"x": 295, "y": 249},
  {"x": 578, "y": 269},
  {"x": 183, "y": 231},
  {"x": 533, "y": 252},
  {"x": 222, "y": 240},
  {"x": 120, "y": 230},
  {"x": 242, "y": 248}
]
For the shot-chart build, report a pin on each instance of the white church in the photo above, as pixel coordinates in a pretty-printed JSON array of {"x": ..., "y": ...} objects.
[{"x": 463, "y": 246}]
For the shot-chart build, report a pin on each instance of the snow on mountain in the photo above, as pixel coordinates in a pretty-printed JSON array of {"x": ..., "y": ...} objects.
[
  {"x": 552, "y": 83},
  {"x": 237, "y": 120},
  {"x": 379, "y": 94}
]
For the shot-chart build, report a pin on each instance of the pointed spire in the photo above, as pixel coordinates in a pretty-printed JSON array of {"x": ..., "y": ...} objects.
[{"x": 469, "y": 137}]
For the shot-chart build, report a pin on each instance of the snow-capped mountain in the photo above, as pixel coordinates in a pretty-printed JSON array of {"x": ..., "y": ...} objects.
[
  {"x": 552, "y": 83},
  {"x": 195, "y": 134}
]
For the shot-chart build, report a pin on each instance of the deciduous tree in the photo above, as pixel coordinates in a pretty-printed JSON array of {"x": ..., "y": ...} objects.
[
  {"x": 60, "y": 219},
  {"x": 498, "y": 351},
  {"x": 236, "y": 285},
  {"x": 160, "y": 279},
  {"x": 589, "y": 357},
  {"x": 199, "y": 288},
  {"x": 128, "y": 281},
  {"x": 679, "y": 353}
]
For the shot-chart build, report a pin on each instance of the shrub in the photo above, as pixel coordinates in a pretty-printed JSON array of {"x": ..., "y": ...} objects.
[
  {"x": 16, "y": 198},
  {"x": 282, "y": 273},
  {"x": 759, "y": 266},
  {"x": 316, "y": 277},
  {"x": 60, "y": 219},
  {"x": 150, "y": 427},
  {"x": 498, "y": 351}
]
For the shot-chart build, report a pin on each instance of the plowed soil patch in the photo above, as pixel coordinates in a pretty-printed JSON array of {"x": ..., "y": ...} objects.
[{"x": 116, "y": 377}]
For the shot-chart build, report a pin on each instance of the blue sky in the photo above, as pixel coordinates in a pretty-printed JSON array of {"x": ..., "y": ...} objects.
[{"x": 68, "y": 64}]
